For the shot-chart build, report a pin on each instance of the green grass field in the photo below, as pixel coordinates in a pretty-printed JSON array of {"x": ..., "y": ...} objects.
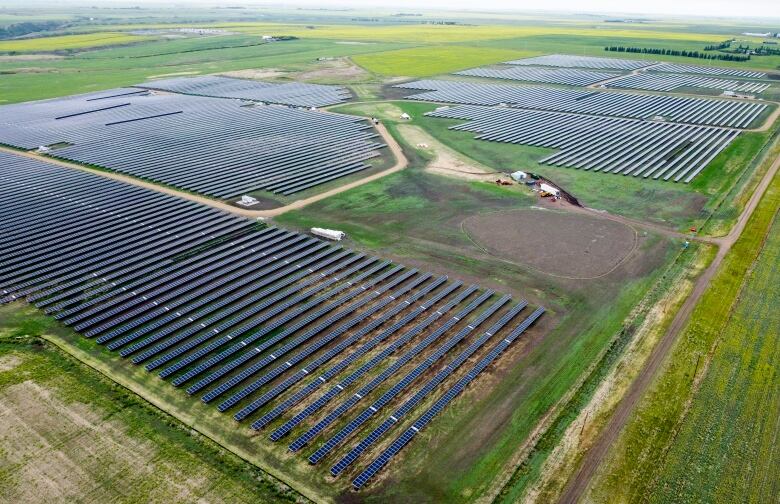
[
  {"x": 433, "y": 60},
  {"x": 712, "y": 436}
]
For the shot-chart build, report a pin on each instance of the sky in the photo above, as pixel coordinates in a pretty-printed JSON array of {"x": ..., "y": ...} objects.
[{"x": 724, "y": 8}]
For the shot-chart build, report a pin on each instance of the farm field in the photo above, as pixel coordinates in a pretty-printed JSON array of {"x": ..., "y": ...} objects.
[
  {"x": 68, "y": 433},
  {"x": 696, "y": 434},
  {"x": 65, "y": 42}
]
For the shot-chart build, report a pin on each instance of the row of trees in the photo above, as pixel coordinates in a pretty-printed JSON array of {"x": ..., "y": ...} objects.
[
  {"x": 674, "y": 52},
  {"x": 717, "y": 47}
]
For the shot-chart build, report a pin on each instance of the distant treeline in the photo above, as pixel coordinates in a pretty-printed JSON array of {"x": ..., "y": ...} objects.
[
  {"x": 674, "y": 52},
  {"x": 716, "y": 47},
  {"x": 19, "y": 29},
  {"x": 758, "y": 50}
]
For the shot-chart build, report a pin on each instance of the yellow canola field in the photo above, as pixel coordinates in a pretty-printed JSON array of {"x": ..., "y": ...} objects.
[{"x": 63, "y": 42}]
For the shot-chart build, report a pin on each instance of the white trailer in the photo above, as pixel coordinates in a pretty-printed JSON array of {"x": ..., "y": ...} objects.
[
  {"x": 550, "y": 189},
  {"x": 330, "y": 234}
]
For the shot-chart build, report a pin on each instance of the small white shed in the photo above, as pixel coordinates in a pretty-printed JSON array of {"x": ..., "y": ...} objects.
[
  {"x": 550, "y": 189},
  {"x": 405, "y": 116},
  {"x": 519, "y": 176}
]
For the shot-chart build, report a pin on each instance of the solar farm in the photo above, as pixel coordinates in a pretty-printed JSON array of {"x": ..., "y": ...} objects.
[
  {"x": 274, "y": 328},
  {"x": 219, "y": 147},
  {"x": 650, "y": 136},
  {"x": 345, "y": 255},
  {"x": 293, "y": 93}
]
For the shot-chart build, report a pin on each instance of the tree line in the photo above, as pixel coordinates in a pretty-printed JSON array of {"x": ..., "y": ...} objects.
[{"x": 675, "y": 52}]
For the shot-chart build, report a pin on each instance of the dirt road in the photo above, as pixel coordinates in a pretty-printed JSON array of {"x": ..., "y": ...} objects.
[
  {"x": 578, "y": 485},
  {"x": 400, "y": 163}
]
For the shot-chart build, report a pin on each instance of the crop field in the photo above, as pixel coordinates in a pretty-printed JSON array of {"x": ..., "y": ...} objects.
[
  {"x": 447, "y": 34},
  {"x": 65, "y": 42},
  {"x": 431, "y": 60},
  {"x": 723, "y": 450},
  {"x": 722, "y": 445},
  {"x": 70, "y": 434}
]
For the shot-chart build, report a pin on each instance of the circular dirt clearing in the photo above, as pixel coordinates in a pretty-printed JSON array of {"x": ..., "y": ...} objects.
[{"x": 558, "y": 243}]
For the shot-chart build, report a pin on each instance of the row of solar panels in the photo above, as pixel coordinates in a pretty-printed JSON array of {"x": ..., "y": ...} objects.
[
  {"x": 571, "y": 61},
  {"x": 242, "y": 314},
  {"x": 208, "y": 145},
  {"x": 662, "y": 82},
  {"x": 658, "y": 150},
  {"x": 704, "y": 111},
  {"x": 568, "y": 76},
  {"x": 287, "y": 93}
]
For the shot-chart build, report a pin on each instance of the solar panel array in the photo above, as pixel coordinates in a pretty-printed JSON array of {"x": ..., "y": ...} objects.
[
  {"x": 707, "y": 70},
  {"x": 670, "y": 82},
  {"x": 217, "y": 147},
  {"x": 567, "y": 76},
  {"x": 288, "y": 93},
  {"x": 704, "y": 111},
  {"x": 254, "y": 320},
  {"x": 657, "y": 150},
  {"x": 570, "y": 61}
]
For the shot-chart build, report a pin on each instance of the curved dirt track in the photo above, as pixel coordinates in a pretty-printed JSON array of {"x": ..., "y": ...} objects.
[
  {"x": 578, "y": 485},
  {"x": 400, "y": 163}
]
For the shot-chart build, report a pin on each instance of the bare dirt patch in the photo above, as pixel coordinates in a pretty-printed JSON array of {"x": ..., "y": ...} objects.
[
  {"x": 557, "y": 243},
  {"x": 255, "y": 73},
  {"x": 173, "y": 74},
  {"x": 337, "y": 70},
  {"x": 8, "y": 362},
  {"x": 446, "y": 161},
  {"x": 12, "y": 58}
]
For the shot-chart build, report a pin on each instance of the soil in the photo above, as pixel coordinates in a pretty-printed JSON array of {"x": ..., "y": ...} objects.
[
  {"x": 557, "y": 243},
  {"x": 336, "y": 70},
  {"x": 255, "y": 73},
  {"x": 446, "y": 161},
  {"x": 67, "y": 451},
  {"x": 13, "y": 58},
  {"x": 9, "y": 362}
]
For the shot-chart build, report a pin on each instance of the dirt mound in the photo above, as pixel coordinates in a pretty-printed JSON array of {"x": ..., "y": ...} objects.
[{"x": 558, "y": 243}]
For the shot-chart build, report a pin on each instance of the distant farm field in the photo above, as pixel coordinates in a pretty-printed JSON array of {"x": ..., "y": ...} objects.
[
  {"x": 432, "y": 60},
  {"x": 64, "y": 42},
  {"x": 453, "y": 33}
]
